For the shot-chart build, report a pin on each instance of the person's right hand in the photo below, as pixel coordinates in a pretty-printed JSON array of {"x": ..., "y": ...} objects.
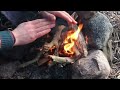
[{"x": 28, "y": 32}]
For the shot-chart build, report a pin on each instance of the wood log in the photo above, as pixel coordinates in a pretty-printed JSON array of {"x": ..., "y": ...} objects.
[
  {"x": 56, "y": 38},
  {"x": 61, "y": 60}
]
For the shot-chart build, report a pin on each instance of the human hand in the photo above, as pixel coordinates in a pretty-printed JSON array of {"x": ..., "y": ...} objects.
[
  {"x": 28, "y": 32},
  {"x": 51, "y": 15}
]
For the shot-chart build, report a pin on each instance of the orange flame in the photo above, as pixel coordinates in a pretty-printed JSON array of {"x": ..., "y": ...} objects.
[{"x": 70, "y": 40}]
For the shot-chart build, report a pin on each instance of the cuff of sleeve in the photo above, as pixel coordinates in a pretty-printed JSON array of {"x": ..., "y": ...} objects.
[{"x": 7, "y": 40}]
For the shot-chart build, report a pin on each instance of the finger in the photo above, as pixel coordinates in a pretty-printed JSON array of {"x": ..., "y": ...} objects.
[
  {"x": 37, "y": 21},
  {"x": 40, "y": 24},
  {"x": 61, "y": 15},
  {"x": 40, "y": 34},
  {"x": 44, "y": 28},
  {"x": 73, "y": 20},
  {"x": 49, "y": 16},
  {"x": 69, "y": 23},
  {"x": 64, "y": 15}
]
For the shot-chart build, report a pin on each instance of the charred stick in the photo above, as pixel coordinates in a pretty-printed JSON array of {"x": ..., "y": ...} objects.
[{"x": 55, "y": 41}]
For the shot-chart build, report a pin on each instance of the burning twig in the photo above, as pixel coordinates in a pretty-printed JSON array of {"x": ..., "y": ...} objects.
[{"x": 74, "y": 15}]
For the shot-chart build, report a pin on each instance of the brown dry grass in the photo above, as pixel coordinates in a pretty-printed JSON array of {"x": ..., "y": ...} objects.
[{"x": 114, "y": 17}]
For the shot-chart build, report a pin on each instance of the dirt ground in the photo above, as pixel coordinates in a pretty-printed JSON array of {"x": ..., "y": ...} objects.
[{"x": 34, "y": 72}]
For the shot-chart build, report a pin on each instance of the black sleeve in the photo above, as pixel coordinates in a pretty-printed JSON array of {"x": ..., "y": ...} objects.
[
  {"x": 18, "y": 17},
  {"x": 7, "y": 40}
]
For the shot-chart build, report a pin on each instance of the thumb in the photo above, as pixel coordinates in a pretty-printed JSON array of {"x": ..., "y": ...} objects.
[{"x": 48, "y": 16}]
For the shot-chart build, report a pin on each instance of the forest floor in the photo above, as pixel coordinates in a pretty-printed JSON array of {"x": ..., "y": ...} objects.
[{"x": 114, "y": 17}]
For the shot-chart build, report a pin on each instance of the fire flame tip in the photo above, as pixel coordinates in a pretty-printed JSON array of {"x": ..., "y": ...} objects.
[{"x": 71, "y": 39}]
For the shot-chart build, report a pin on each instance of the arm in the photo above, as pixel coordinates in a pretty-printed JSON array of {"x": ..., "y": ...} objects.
[{"x": 25, "y": 33}]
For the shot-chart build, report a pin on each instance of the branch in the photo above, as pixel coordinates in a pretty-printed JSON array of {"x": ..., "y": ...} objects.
[
  {"x": 61, "y": 60},
  {"x": 30, "y": 62}
]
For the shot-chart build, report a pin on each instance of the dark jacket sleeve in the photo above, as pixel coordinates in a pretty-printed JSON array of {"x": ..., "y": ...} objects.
[
  {"x": 16, "y": 17},
  {"x": 7, "y": 40}
]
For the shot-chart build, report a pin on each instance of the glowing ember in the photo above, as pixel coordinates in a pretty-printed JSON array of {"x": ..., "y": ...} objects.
[
  {"x": 69, "y": 41},
  {"x": 52, "y": 48}
]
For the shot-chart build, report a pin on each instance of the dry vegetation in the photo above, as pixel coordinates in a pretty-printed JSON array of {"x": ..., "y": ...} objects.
[{"x": 114, "y": 17}]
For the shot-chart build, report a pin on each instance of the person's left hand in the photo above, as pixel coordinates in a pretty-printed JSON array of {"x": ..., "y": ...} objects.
[{"x": 51, "y": 15}]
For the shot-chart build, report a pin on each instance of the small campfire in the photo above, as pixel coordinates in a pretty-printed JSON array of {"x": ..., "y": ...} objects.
[
  {"x": 71, "y": 45},
  {"x": 67, "y": 46}
]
